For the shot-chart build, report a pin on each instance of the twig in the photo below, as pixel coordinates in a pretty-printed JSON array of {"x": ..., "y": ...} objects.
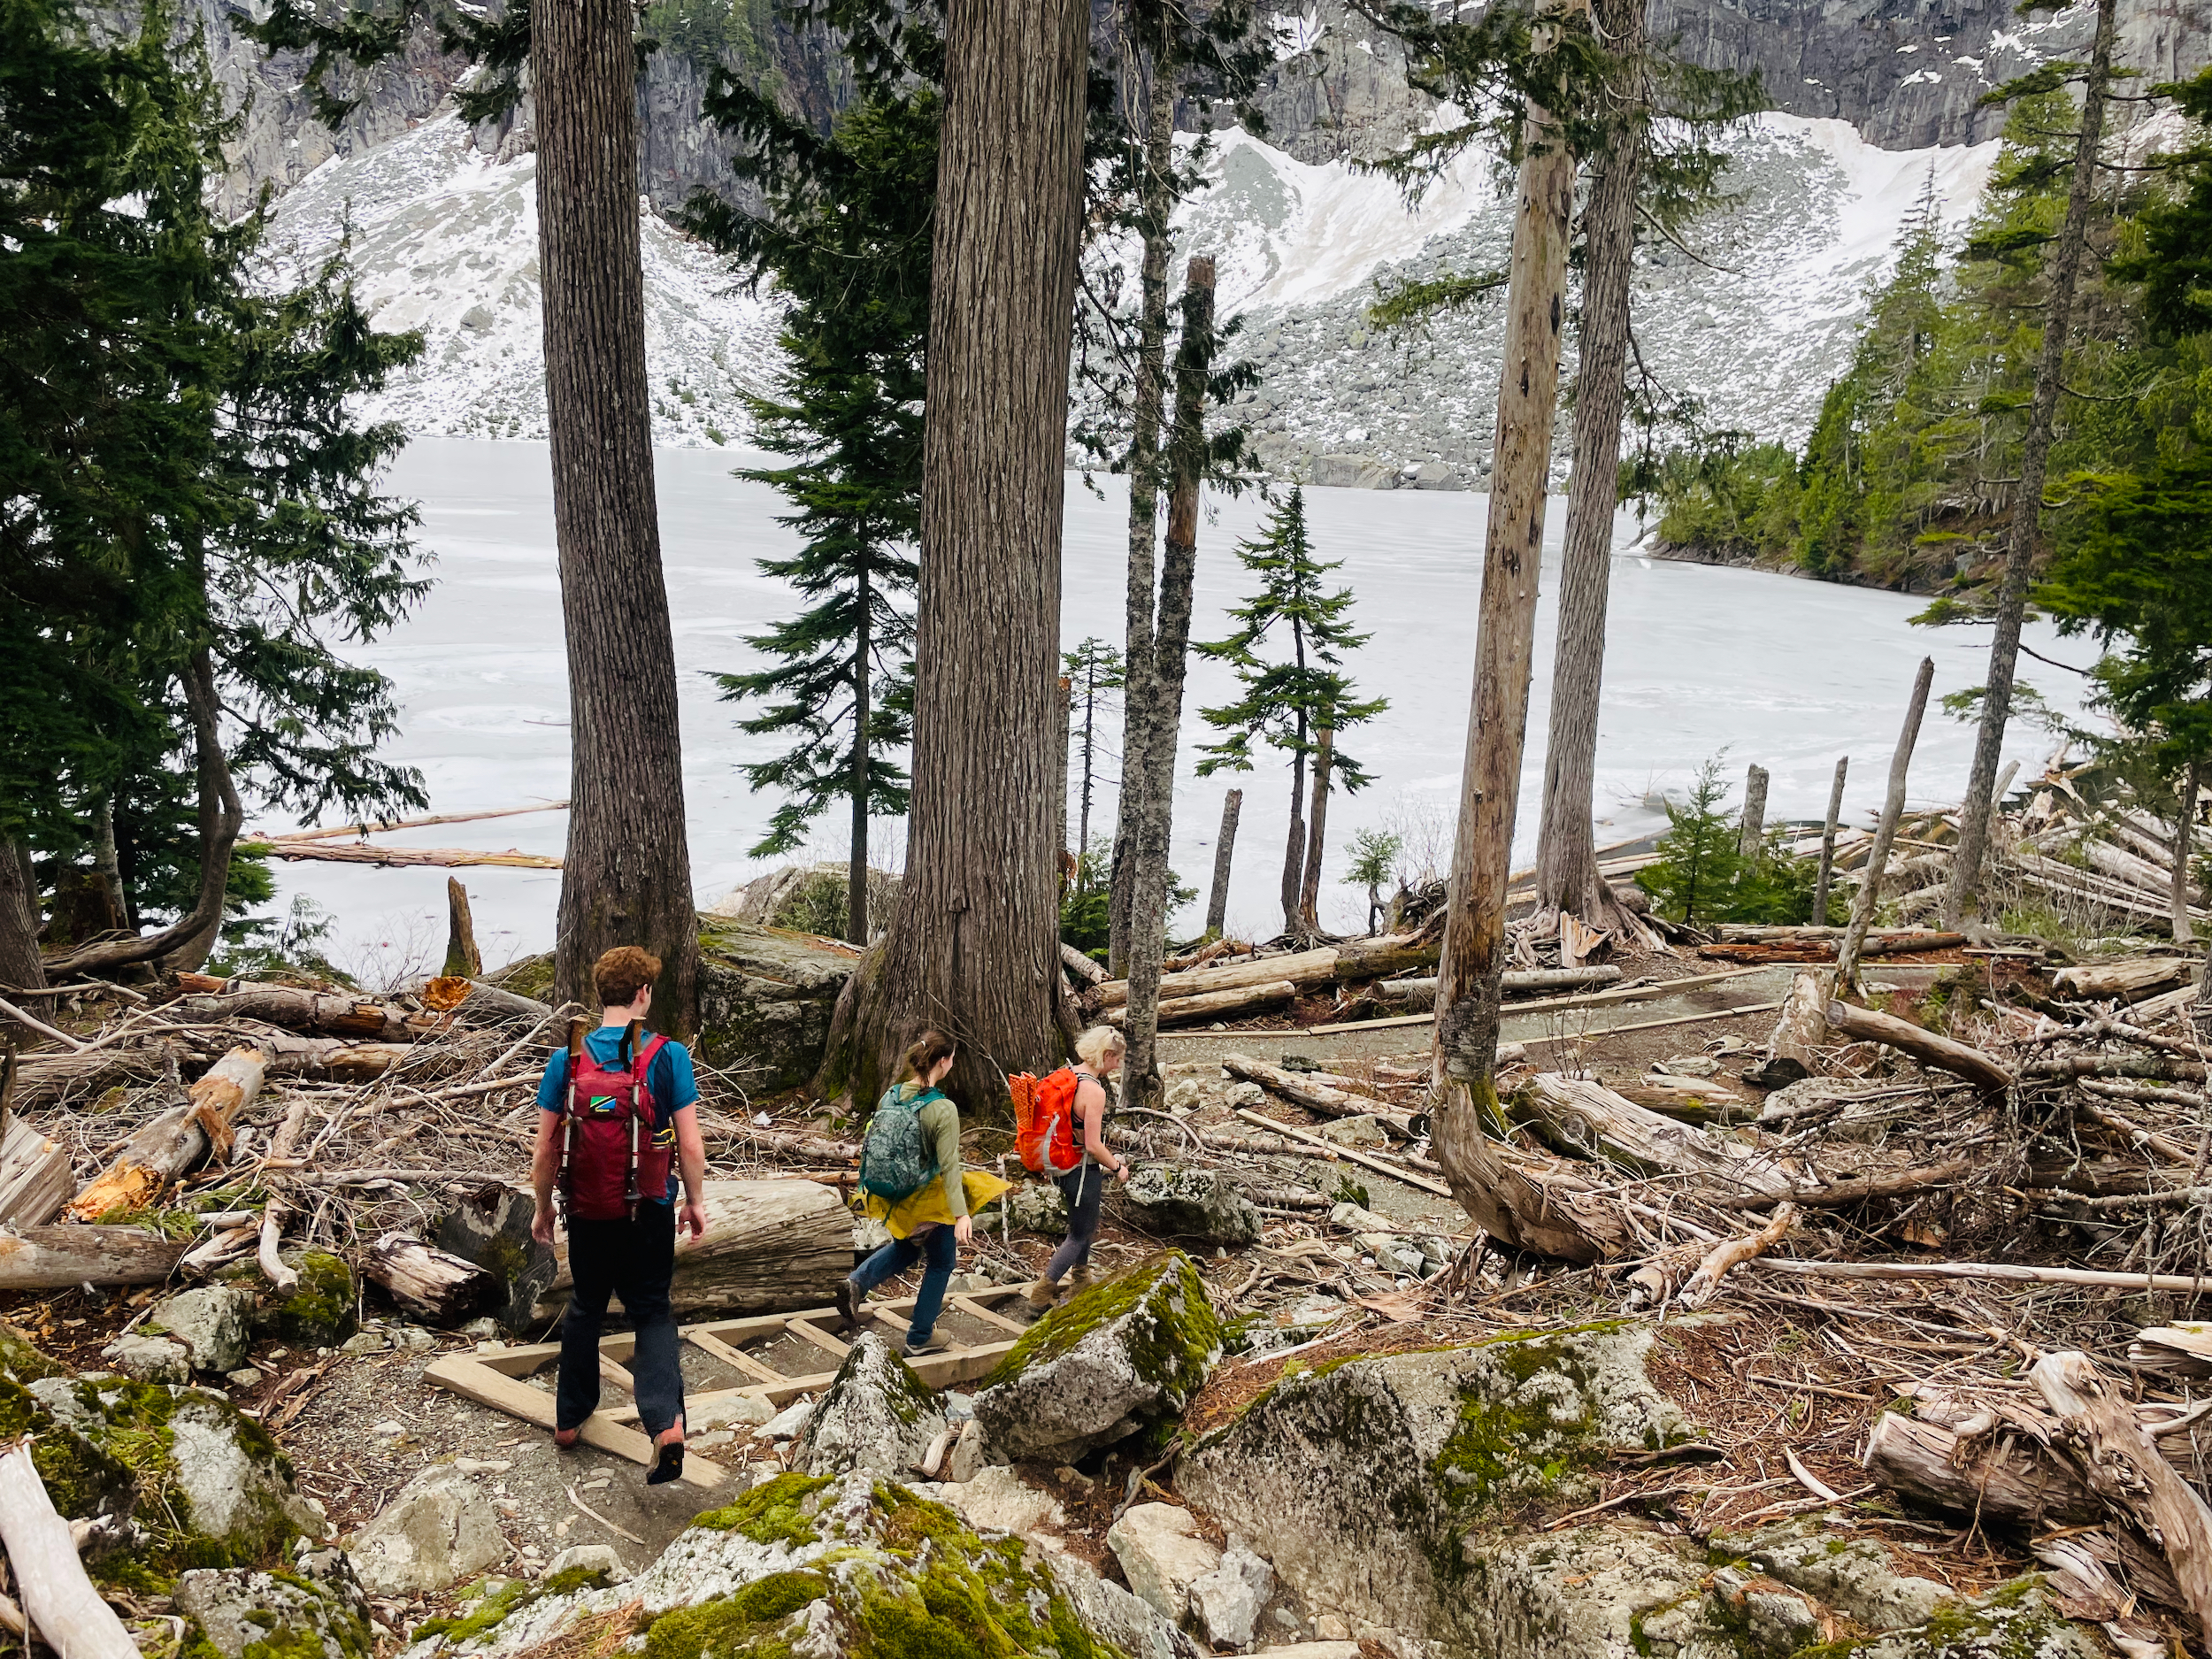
[
  {"x": 33, "y": 1023},
  {"x": 618, "y": 1530}
]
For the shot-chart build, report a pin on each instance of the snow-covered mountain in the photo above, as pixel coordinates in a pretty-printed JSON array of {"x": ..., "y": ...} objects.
[{"x": 443, "y": 238}]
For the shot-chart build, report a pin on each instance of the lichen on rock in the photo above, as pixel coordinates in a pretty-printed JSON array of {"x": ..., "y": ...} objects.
[
  {"x": 1364, "y": 1478},
  {"x": 1176, "y": 1203},
  {"x": 314, "y": 1610},
  {"x": 1129, "y": 1350},
  {"x": 802, "y": 1566},
  {"x": 878, "y": 1416}
]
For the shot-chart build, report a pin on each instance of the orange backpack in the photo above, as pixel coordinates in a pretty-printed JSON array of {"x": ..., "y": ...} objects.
[{"x": 1044, "y": 1121}]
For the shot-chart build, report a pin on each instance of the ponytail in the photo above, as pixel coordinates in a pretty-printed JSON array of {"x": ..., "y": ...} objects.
[{"x": 923, "y": 1053}]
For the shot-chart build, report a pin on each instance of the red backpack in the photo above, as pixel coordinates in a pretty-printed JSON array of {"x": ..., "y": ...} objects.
[
  {"x": 608, "y": 1160},
  {"x": 1044, "y": 1121}
]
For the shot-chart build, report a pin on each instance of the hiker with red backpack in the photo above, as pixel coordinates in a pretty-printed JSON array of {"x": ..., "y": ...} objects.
[
  {"x": 617, "y": 1119},
  {"x": 1069, "y": 1103},
  {"x": 912, "y": 1181}
]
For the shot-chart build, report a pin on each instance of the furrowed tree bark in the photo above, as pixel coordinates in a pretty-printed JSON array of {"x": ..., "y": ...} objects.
[
  {"x": 1224, "y": 846},
  {"x": 973, "y": 946},
  {"x": 1147, "y": 398},
  {"x": 1186, "y": 461},
  {"x": 1317, "y": 832},
  {"x": 21, "y": 969},
  {"x": 184, "y": 945},
  {"x": 1752, "y": 827},
  {"x": 857, "y": 863},
  {"x": 1828, "y": 844},
  {"x": 2012, "y": 597},
  {"x": 1884, "y": 832},
  {"x": 1567, "y": 873},
  {"x": 627, "y": 878},
  {"x": 1464, "y": 1054}
]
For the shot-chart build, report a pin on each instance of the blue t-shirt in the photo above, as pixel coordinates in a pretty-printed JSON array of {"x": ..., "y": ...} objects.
[{"x": 669, "y": 1080}]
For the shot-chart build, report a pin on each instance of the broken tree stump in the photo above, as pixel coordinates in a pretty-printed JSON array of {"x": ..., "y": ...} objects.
[
  {"x": 34, "y": 1177},
  {"x": 462, "y": 956},
  {"x": 433, "y": 1286},
  {"x": 177, "y": 1140}
]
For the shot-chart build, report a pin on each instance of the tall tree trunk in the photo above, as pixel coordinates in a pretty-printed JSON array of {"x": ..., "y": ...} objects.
[
  {"x": 1317, "y": 832},
  {"x": 107, "y": 867},
  {"x": 1567, "y": 873},
  {"x": 973, "y": 946},
  {"x": 1828, "y": 844},
  {"x": 1083, "y": 826},
  {"x": 2012, "y": 597},
  {"x": 1465, "y": 1042},
  {"x": 1139, "y": 722},
  {"x": 627, "y": 878},
  {"x": 1225, "y": 850},
  {"x": 1171, "y": 648},
  {"x": 1294, "y": 842},
  {"x": 185, "y": 943},
  {"x": 2185, "y": 827},
  {"x": 856, "y": 868},
  {"x": 19, "y": 966}
]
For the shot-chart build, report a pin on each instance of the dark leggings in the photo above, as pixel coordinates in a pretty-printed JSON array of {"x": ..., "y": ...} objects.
[
  {"x": 632, "y": 1260},
  {"x": 1082, "y": 1186}
]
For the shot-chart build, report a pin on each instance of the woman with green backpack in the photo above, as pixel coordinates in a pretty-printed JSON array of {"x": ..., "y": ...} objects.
[{"x": 910, "y": 1180}]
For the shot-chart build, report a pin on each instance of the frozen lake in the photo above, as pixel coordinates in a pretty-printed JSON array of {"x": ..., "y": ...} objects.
[{"x": 1788, "y": 673}]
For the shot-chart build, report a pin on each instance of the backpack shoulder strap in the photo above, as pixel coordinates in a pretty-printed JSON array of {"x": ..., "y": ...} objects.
[
  {"x": 642, "y": 1070},
  {"x": 575, "y": 1063}
]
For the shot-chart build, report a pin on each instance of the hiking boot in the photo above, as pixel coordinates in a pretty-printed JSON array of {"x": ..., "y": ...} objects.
[
  {"x": 850, "y": 1297},
  {"x": 936, "y": 1342},
  {"x": 1042, "y": 1295},
  {"x": 1079, "y": 1279}
]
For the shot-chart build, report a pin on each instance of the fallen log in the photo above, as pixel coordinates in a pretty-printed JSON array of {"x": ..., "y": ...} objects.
[
  {"x": 34, "y": 1177},
  {"x": 44, "y": 1078},
  {"x": 364, "y": 852},
  {"x": 58, "y": 1597},
  {"x": 1585, "y": 1120},
  {"x": 1864, "y": 1188},
  {"x": 2157, "y": 1069},
  {"x": 1997, "y": 1478},
  {"x": 294, "y": 1009},
  {"x": 339, "y": 832},
  {"x": 1864, "y": 1025},
  {"x": 2188, "y": 1285},
  {"x": 430, "y": 1284},
  {"x": 178, "y": 1140},
  {"x": 1305, "y": 1090},
  {"x": 1349, "y": 1154},
  {"x": 1298, "y": 968},
  {"x": 487, "y": 1004},
  {"x": 62, "y": 1256},
  {"x": 769, "y": 1246},
  {"x": 1086, "y": 972},
  {"x": 1422, "y": 992},
  {"x": 2123, "y": 1464},
  {"x": 1389, "y": 954},
  {"x": 2126, "y": 979},
  {"x": 338, "y": 1058},
  {"x": 281, "y": 1278},
  {"x": 1209, "y": 1005}
]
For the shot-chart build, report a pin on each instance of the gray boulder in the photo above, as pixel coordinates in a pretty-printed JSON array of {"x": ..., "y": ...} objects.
[
  {"x": 601, "y": 1561},
  {"x": 317, "y": 1606},
  {"x": 1353, "y": 472},
  {"x": 765, "y": 997},
  {"x": 1036, "y": 1207},
  {"x": 1363, "y": 1480},
  {"x": 1128, "y": 1350},
  {"x": 1227, "y": 1601},
  {"x": 150, "y": 1359},
  {"x": 1162, "y": 1554},
  {"x": 1854, "y": 1575},
  {"x": 878, "y": 1417},
  {"x": 438, "y": 1530},
  {"x": 215, "y": 1323},
  {"x": 1173, "y": 1203}
]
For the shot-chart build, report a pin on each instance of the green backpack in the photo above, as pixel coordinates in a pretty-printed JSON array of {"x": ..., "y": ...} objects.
[{"x": 894, "y": 1160}]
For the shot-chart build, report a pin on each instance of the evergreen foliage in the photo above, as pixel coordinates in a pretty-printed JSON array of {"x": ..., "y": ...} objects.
[
  {"x": 1095, "y": 673},
  {"x": 183, "y": 475},
  {"x": 1374, "y": 861},
  {"x": 1701, "y": 877}
]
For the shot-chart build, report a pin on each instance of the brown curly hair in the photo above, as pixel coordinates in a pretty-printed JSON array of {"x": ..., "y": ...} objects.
[{"x": 622, "y": 972}]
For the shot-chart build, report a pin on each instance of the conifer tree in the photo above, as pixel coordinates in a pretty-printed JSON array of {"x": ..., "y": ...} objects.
[
  {"x": 844, "y": 236},
  {"x": 1287, "y": 703},
  {"x": 1094, "y": 674},
  {"x": 1374, "y": 861}
]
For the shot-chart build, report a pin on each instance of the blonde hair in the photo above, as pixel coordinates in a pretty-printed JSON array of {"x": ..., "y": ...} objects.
[{"x": 1094, "y": 1045}]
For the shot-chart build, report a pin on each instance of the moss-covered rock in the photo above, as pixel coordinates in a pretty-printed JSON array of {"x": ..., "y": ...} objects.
[
  {"x": 1366, "y": 1475},
  {"x": 802, "y": 1566},
  {"x": 1854, "y": 1575},
  {"x": 23, "y": 1359},
  {"x": 313, "y": 1610},
  {"x": 878, "y": 1417},
  {"x": 324, "y": 1309},
  {"x": 1172, "y": 1201},
  {"x": 1128, "y": 1351},
  {"x": 765, "y": 997},
  {"x": 202, "y": 1484}
]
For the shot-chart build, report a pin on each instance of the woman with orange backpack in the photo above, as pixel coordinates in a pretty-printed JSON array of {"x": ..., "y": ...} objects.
[{"x": 1098, "y": 1056}]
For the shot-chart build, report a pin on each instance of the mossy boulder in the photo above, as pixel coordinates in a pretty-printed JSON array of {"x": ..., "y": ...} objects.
[
  {"x": 801, "y": 1565},
  {"x": 1854, "y": 1575},
  {"x": 202, "y": 1483},
  {"x": 312, "y": 1610},
  {"x": 878, "y": 1417},
  {"x": 1366, "y": 1475},
  {"x": 323, "y": 1309},
  {"x": 1125, "y": 1353},
  {"x": 23, "y": 1359},
  {"x": 765, "y": 998},
  {"x": 1170, "y": 1202}
]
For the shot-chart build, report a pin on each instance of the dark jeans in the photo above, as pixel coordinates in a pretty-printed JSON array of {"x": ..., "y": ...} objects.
[
  {"x": 1082, "y": 1186},
  {"x": 632, "y": 1260},
  {"x": 935, "y": 1240}
]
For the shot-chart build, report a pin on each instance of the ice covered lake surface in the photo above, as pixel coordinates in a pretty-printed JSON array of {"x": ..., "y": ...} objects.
[{"x": 1785, "y": 672}]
